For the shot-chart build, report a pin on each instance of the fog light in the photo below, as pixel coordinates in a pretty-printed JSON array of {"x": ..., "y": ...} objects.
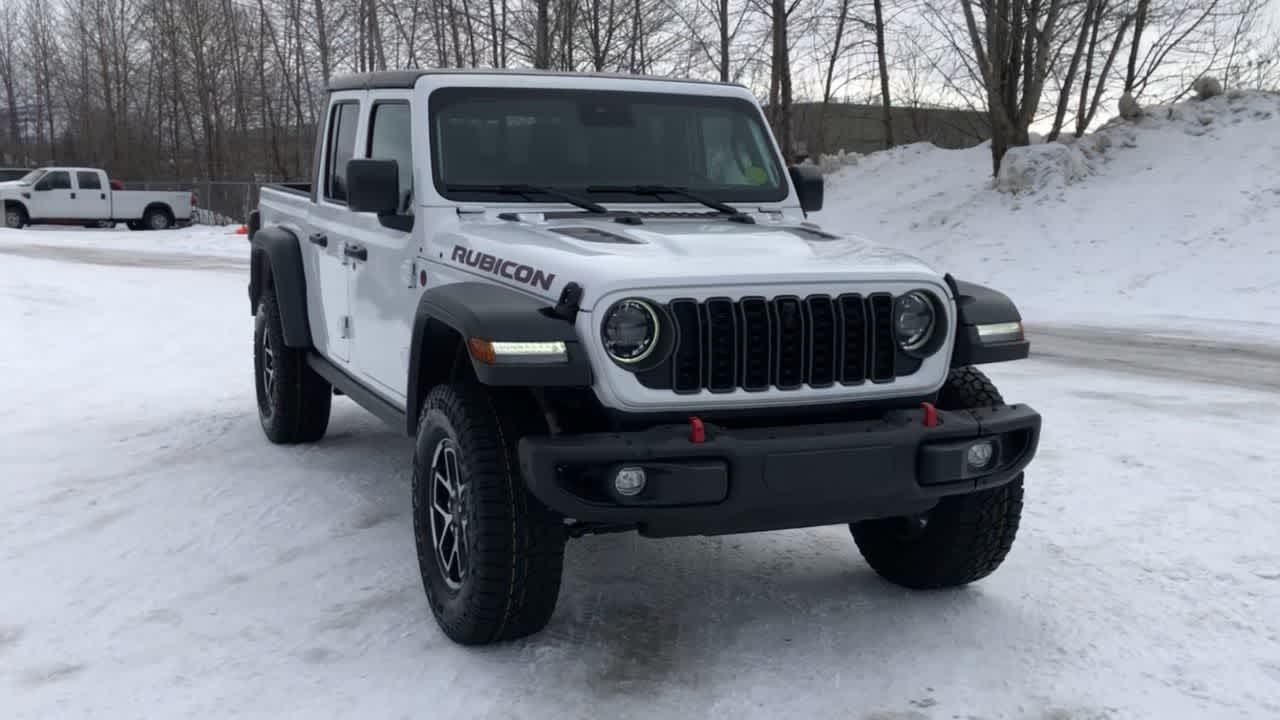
[
  {"x": 629, "y": 481},
  {"x": 980, "y": 454}
]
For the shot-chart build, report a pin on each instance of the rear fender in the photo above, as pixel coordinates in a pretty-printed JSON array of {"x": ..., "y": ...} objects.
[{"x": 276, "y": 262}]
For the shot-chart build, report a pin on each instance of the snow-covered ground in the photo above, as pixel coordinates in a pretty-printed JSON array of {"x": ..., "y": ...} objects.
[
  {"x": 161, "y": 559},
  {"x": 158, "y": 558},
  {"x": 1171, "y": 223}
]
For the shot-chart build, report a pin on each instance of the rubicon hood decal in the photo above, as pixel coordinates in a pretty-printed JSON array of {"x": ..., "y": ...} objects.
[{"x": 509, "y": 269}]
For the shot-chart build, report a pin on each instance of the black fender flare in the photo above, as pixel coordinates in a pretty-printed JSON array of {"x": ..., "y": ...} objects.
[
  {"x": 466, "y": 310},
  {"x": 164, "y": 206},
  {"x": 979, "y": 305},
  {"x": 276, "y": 260},
  {"x": 21, "y": 206}
]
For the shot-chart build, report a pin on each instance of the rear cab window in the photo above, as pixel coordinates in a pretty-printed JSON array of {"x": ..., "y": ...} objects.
[
  {"x": 344, "y": 117},
  {"x": 88, "y": 180}
]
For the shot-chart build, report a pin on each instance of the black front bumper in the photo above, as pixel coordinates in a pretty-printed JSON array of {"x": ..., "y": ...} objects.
[{"x": 745, "y": 480}]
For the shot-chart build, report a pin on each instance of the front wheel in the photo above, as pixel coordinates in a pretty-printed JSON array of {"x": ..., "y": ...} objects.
[
  {"x": 14, "y": 218},
  {"x": 962, "y": 539},
  {"x": 490, "y": 553}
]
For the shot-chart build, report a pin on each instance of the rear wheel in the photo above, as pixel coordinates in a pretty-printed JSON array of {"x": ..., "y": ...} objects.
[
  {"x": 962, "y": 539},
  {"x": 15, "y": 218},
  {"x": 157, "y": 219},
  {"x": 293, "y": 400},
  {"x": 490, "y": 553}
]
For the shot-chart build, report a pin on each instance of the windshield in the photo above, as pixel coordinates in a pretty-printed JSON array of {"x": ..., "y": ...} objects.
[
  {"x": 31, "y": 177},
  {"x": 599, "y": 144}
]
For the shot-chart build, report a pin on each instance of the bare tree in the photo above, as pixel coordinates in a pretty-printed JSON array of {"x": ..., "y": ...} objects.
[{"x": 1011, "y": 45}]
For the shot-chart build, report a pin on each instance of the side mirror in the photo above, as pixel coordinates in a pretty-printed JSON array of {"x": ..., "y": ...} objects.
[
  {"x": 373, "y": 186},
  {"x": 808, "y": 182}
]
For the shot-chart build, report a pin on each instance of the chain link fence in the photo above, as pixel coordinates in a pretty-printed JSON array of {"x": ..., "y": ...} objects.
[{"x": 218, "y": 202}]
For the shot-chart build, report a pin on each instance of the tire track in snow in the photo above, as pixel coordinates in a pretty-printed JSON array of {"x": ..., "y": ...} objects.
[
  {"x": 124, "y": 258},
  {"x": 1229, "y": 361}
]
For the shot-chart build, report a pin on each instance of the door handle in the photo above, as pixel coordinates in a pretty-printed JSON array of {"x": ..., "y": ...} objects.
[
  {"x": 73, "y": 196},
  {"x": 104, "y": 196},
  {"x": 355, "y": 252},
  {"x": 319, "y": 239}
]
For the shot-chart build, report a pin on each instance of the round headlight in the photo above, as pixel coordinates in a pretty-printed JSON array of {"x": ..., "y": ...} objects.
[
  {"x": 914, "y": 319},
  {"x": 630, "y": 330}
]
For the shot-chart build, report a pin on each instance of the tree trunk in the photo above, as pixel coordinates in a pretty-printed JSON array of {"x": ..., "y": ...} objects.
[
  {"x": 724, "y": 40},
  {"x": 542, "y": 35},
  {"x": 885, "y": 101},
  {"x": 1139, "y": 25}
]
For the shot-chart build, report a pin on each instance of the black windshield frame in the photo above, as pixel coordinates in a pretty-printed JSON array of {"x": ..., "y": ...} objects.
[{"x": 442, "y": 98}]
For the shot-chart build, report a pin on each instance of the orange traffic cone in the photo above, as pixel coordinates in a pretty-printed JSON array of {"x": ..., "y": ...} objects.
[{"x": 242, "y": 230}]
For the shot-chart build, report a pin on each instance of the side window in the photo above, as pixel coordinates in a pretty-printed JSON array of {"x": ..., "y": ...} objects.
[
  {"x": 342, "y": 147},
  {"x": 56, "y": 180},
  {"x": 390, "y": 138},
  {"x": 88, "y": 180}
]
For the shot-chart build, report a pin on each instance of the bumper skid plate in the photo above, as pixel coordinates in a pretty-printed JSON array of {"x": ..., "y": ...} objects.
[{"x": 746, "y": 480}]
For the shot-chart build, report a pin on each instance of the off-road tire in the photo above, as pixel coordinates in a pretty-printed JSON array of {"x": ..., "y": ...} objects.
[
  {"x": 294, "y": 406},
  {"x": 157, "y": 219},
  {"x": 514, "y": 544},
  {"x": 15, "y": 218},
  {"x": 965, "y": 537}
]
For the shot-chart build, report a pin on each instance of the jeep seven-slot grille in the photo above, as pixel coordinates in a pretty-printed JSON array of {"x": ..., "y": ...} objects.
[{"x": 784, "y": 342}]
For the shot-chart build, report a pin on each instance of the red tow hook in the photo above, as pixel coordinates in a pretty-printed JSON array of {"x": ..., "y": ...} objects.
[
  {"x": 930, "y": 414},
  {"x": 697, "y": 432}
]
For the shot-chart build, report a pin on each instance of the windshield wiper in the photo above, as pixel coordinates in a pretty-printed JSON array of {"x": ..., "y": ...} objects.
[
  {"x": 526, "y": 191},
  {"x": 660, "y": 190}
]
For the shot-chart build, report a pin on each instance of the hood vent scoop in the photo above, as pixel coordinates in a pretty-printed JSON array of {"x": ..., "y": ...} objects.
[{"x": 595, "y": 235}]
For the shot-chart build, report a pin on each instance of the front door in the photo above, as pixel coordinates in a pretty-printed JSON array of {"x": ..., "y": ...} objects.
[
  {"x": 383, "y": 298},
  {"x": 51, "y": 197},
  {"x": 89, "y": 198}
]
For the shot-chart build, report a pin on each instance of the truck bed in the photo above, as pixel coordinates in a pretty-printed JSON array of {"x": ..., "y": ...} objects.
[
  {"x": 285, "y": 203},
  {"x": 130, "y": 204},
  {"x": 292, "y": 188}
]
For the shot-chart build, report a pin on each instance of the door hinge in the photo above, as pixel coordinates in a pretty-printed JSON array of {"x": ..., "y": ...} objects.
[{"x": 346, "y": 326}]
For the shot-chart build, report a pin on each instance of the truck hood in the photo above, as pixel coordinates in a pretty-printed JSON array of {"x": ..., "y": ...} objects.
[{"x": 604, "y": 256}]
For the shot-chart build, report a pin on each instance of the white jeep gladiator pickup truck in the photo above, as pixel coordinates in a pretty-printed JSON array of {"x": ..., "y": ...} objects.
[
  {"x": 83, "y": 196},
  {"x": 596, "y": 305}
]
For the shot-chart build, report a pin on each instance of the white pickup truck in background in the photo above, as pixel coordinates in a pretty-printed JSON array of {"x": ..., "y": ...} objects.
[{"x": 83, "y": 196}]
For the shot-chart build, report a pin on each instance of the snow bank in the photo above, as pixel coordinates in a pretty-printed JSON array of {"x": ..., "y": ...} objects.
[
  {"x": 1039, "y": 167},
  {"x": 217, "y": 240},
  {"x": 1166, "y": 220}
]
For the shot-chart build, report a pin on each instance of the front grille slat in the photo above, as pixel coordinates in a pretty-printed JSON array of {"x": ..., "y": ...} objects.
[
  {"x": 790, "y": 339},
  {"x": 853, "y": 339},
  {"x": 784, "y": 342},
  {"x": 757, "y": 344},
  {"x": 721, "y": 320},
  {"x": 686, "y": 366},
  {"x": 823, "y": 347},
  {"x": 883, "y": 349}
]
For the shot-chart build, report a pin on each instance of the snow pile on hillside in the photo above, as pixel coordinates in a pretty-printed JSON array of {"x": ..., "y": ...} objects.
[{"x": 1169, "y": 221}]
